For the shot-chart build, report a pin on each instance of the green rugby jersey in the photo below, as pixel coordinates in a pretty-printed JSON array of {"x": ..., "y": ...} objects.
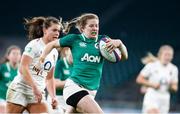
[
  {"x": 87, "y": 60},
  {"x": 7, "y": 74},
  {"x": 62, "y": 71}
]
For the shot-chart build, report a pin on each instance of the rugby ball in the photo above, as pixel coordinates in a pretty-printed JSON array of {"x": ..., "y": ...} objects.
[{"x": 114, "y": 57}]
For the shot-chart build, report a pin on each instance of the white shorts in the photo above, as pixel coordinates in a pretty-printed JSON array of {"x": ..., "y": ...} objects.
[
  {"x": 16, "y": 97},
  {"x": 160, "y": 102},
  {"x": 71, "y": 88}
]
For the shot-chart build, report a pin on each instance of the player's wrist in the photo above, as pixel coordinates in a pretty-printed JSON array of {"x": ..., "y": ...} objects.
[
  {"x": 119, "y": 43},
  {"x": 41, "y": 59},
  {"x": 34, "y": 87}
]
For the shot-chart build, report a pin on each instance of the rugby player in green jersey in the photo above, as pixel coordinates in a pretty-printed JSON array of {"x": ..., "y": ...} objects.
[
  {"x": 8, "y": 70},
  {"x": 81, "y": 87}
]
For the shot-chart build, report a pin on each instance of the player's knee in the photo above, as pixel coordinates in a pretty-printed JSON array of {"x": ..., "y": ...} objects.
[
  {"x": 153, "y": 111},
  {"x": 75, "y": 98}
]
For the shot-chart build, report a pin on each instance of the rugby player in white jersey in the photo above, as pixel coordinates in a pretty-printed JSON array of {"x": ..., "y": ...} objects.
[
  {"x": 160, "y": 77},
  {"x": 27, "y": 89}
]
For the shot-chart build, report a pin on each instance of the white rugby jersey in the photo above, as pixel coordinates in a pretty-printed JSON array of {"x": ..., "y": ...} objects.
[
  {"x": 163, "y": 74},
  {"x": 34, "y": 49}
]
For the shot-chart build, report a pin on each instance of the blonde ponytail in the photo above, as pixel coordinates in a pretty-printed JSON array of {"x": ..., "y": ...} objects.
[
  {"x": 67, "y": 25},
  {"x": 79, "y": 22},
  {"x": 148, "y": 58}
]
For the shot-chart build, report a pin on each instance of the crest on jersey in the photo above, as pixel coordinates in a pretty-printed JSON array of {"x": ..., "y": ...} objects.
[
  {"x": 82, "y": 44},
  {"x": 28, "y": 49},
  {"x": 170, "y": 73}
]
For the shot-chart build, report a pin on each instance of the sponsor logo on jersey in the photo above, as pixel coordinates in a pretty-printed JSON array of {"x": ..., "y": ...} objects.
[
  {"x": 91, "y": 58},
  {"x": 82, "y": 44}
]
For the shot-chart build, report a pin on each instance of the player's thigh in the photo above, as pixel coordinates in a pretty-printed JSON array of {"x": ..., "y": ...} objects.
[
  {"x": 16, "y": 97},
  {"x": 164, "y": 106},
  {"x": 37, "y": 107},
  {"x": 70, "y": 109},
  {"x": 74, "y": 93},
  {"x": 152, "y": 111},
  {"x": 2, "y": 108},
  {"x": 88, "y": 105},
  {"x": 2, "y": 105},
  {"x": 150, "y": 103},
  {"x": 14, "y": 108}
]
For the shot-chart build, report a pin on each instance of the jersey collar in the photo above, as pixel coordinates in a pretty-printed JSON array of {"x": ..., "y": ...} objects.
[
  {"x": 85, "y": 38},
  {"x": 42, "y": 42},
  {"x": 8, "y": 66}
]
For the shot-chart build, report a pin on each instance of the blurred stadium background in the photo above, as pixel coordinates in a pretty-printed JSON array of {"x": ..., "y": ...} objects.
[{"x": 143, "y": 25}]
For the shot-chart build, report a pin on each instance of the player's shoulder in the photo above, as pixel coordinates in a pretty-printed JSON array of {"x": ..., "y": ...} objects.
[
  {"x": 73, "y": 35},
  {"x": 153, "y": 64},
  {"x": 34, "y": 42},
  {"x": 34, "y": 46},
  {"x": 3, "y": 65},
  {"x": 55, "y": 51},
  {"x": 173, "y": 66}
]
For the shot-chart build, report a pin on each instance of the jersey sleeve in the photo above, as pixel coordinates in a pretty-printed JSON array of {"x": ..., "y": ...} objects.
[
  {"x": 174, "y": 76},
  {"x": 67, "y": 41},
  {"x": 146, "y": 71},
  {"x": 30, "y": 49}
]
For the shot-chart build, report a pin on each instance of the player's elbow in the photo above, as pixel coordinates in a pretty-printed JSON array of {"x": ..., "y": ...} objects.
[
  {"x": 174, "y": 88},
  {"x": 53, "y": 44},
  {"x": 23, "y": 69},
  {"x": 124, "y": 57},
  {"x": 139, "y": 80},
  {"x": 56, "y": 44}
]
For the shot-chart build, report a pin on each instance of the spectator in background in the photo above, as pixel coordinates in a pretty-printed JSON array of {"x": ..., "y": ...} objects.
[
  {"x": 160, "y": 77},
  {"x": 27, "y": 89},
  {"x": 8, "y": 70},
  {"x": 63, "y": 71}
]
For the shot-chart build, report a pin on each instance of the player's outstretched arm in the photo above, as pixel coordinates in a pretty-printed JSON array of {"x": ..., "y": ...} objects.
[
  {"x": 24, "y": 70},
  {"x": 143, "y": 81},
  {"x": 50, "y": 84},
  {"x": 48, "y": 48}
]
